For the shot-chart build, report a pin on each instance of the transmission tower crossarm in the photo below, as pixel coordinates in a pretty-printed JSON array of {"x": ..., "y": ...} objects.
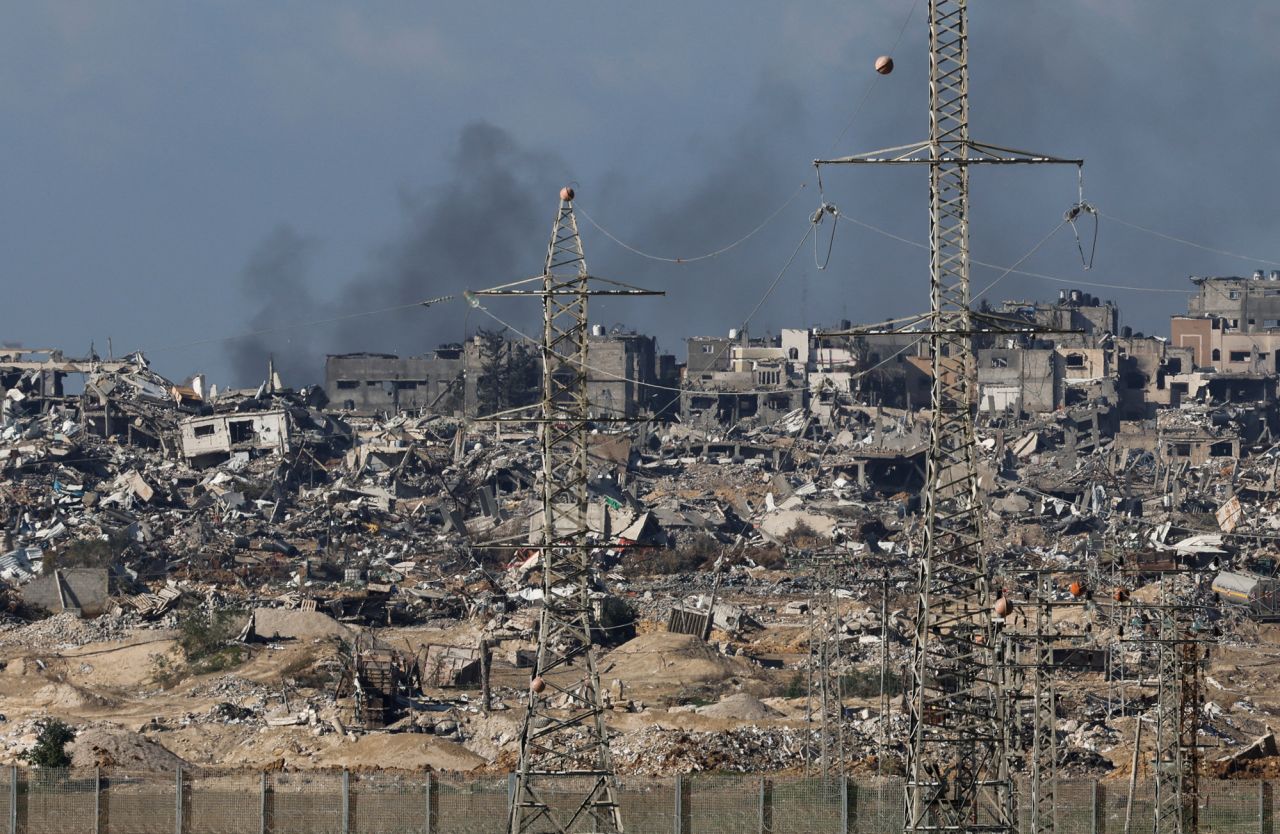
[{"x": 921, "y": 153}]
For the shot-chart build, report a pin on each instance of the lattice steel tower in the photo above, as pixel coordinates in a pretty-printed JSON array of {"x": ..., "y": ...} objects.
[
  {"x": 1177, "y": 753},
  {"x": 827, "y": 666},
  {"x": 565, "y": 780},
  {"x": 957, "y": 768},
  {"x": 1044, "y": 714}
]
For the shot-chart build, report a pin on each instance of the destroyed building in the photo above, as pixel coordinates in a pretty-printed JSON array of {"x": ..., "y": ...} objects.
[
  {"x": 140, "y": 500},
  {"x": 736, "y": 378},
  {"x": 1232, "y": 326},
  {"x": 627, "y": 377},
  {"x": 380, "y": 383}
]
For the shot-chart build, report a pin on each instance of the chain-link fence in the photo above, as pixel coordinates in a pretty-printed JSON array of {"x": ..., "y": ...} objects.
[{"x": 224, "y": 802}]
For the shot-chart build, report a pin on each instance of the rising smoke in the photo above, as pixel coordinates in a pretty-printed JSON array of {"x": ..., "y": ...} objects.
[{"x": 486, "y": 225}]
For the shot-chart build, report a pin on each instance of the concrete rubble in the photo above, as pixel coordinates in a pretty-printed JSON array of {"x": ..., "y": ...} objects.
[{"x": 387, "y": 555}]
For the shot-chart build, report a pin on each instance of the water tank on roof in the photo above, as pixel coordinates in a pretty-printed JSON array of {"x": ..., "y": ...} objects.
[
  {"x": 1258, "y": 274},
  {"x": 1075, "y": 296},
  {"x": 1274, "y": 276},
  {"x": 733, "y": 332},
  {"x": 597, "y": 330}
]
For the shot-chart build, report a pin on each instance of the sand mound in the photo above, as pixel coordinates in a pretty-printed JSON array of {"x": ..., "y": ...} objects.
[
  {"x": 110, "y": 745},
  {"x": 404, "y": 751},
  {"x": 61, "y": 697},
  {"x": 288, "y": 624},
  {"x": 740, "y": 706},
  {"x": 663, "y": 657}
]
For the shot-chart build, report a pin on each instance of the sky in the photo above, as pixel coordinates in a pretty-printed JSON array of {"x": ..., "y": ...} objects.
[{"x": 177, "y": 176}]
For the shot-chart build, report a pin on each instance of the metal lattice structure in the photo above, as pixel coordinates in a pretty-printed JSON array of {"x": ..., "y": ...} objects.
[
  {"x": 957, "y": 760},
  {"x": 565, "y": 780},
  {"x": 827, "y": 667},
  {"x": 1177, "y": 754},
  {"x": 1044, "y": 719}
]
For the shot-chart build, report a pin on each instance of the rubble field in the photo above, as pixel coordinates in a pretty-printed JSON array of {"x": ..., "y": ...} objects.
[{"x": 246, "y": 579}]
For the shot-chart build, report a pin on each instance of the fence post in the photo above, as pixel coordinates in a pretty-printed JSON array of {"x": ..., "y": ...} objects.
[
  {"x": 13, "y": 800},
  {"x": 848, "y": 800},
  {"x": 346, "y": 801},
  {"x": 1262, "y": 806},
  {"x": 1099, "y": 823},
  {"x": 177, "y": 803},
  {"x": 432, "y": 809},
  {"x": 262, "y": 805},
  {"x": 766, "y": 806},
  {"x": 683, "y": 811},
  {"x": 97, "y": 800},
  {"x": 511, "y": 793}
]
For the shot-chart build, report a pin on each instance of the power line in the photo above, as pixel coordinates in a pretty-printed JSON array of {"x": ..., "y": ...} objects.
[
  {"x": 777, "y": 279},
  {"x": 1190, "y": 243},
  {"x": 632, "y": 249},
  {"x": 866, "y": 94},
  {"x": 1043, "y": 276},
  {"x": 871, "y": 83}
]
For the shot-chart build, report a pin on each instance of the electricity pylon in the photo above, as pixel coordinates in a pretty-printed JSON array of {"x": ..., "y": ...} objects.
[
  {"x": 957, "y": 762},
  {"x": 565, "y": 780},
  {"x": 827, "y": 666},
  {"x": 1177, "y": 755}
]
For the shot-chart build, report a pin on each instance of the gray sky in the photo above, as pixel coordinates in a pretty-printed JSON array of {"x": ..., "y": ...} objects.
[{"x": 179, "y": 173}]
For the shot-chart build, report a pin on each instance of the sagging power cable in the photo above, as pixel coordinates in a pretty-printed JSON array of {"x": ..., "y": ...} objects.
[{"x": 1082, "y": 207}]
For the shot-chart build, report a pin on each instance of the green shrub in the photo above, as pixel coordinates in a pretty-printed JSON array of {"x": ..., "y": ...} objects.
[
  {"x": 207, "y": 639},
  {"x": 50, "y": 750},
  {"x": 797, "y": 687},
  {"x": 203, "y": 633},
  {"x": 863, "y": 683}
]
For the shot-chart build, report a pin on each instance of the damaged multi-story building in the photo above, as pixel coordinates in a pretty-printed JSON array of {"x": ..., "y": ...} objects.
[
  {"x": 627, "y": 377},
  {"x": 373, "y": 383},
  {"x": 1232, "y": 328},
  {"x": 735, "y": 378},
  {"x": 1076, "y": 354}
]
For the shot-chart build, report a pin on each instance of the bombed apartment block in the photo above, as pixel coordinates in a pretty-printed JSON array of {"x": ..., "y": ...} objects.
[
  {"x": 738, "y": 378},
  {"x": 1176, "y": 444},
  {"x": 1020, "y": 380},
  {"x": 380, "y": 383},
  {"x": 1220, "y": 348},
  {"x": 1152, "y": 374},
  {"x": 490, "y": 373},
  {"x": 207, "y": 441},
  {"x": 1246, "y": 305},
  {"x": 626, "y": 377},
  {"x": 1076, "y": 318}
]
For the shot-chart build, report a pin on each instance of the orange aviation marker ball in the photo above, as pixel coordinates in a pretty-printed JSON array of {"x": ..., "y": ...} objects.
[
  {"x": 1077, "y": 589},
  {"x": 537, "y": 684},
  {"x": 884, "y": 65},
  {"x": 566, "y": 194}
]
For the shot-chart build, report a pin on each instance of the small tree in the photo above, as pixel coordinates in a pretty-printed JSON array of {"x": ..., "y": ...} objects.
[
  {"x": 492, "y": 382},
  {"x": 524, "y": 376},
  {"x": 510, "y": 373},
  {"x": 50, "y": 749}
]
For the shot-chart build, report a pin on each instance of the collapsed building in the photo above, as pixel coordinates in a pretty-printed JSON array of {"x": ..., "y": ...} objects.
[
  {"x": 135, "y": 499},
  {"x": 627, "y": 377}
]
